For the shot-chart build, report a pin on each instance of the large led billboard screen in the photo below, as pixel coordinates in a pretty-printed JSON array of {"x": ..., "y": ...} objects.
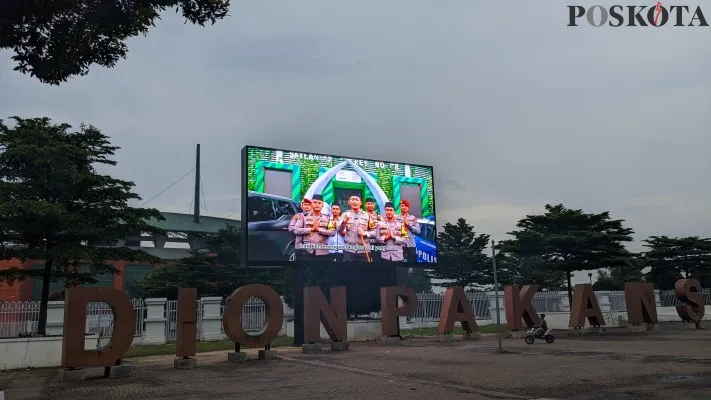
[{"x": 308, "y": 207}]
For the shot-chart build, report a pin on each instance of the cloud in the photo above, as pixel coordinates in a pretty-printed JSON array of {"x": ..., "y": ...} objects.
[{"x": 512, "y": 108}]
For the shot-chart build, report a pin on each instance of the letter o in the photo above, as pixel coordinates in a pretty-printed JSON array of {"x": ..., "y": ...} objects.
[
  {"x": 652, "y": 12},
  {"x": 232, "y": 315},
  {"x": 591, "y": 17}
]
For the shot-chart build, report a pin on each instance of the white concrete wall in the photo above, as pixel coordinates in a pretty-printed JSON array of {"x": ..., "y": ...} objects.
[{"x": 36, "y": 352}]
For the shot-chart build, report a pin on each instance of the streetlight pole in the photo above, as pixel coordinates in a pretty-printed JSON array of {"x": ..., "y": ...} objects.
[
  {"x": 500, "y": 348},
  {"x": 590, "y": 277}
]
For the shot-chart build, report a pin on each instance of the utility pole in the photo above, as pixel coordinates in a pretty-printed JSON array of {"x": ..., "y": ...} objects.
[
  {"x": 196, "y": 210},
  {"x": 500, "y": 349}
]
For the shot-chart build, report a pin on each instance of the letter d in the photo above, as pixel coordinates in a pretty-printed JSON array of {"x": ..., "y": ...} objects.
[
  {"x": 76, "y": 299},
  {"x": 575, "y": 12}
]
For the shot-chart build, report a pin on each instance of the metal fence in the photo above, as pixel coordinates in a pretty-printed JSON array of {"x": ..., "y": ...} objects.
[
  {"x": 20, "y": 318},
  {"x": 253, "y": 317}
]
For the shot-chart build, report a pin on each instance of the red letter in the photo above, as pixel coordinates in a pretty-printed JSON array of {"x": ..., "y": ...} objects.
[
  {"x": 455, "y": 308},
  {"x": 186, "y": 330},
  {"x": 519, "y": 306},
  {"x": 232, "y": 315},
  {"x": 76, "y": 299},
  {"x": 641, "y": 305},
  {"x": 334, "y": 316},
  {"x": 689, "y": 291},
  {"x": 389, "y": 311},
  {"x": 585, "y": 306}
]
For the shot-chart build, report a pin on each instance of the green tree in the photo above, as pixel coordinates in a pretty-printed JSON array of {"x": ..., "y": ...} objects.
[
  {"x": 462, "y": 258},
  {"x": 568, "y": 240},
  {"x": 614, "y": 278},
  {"x": 56, "y": 40},
  {"x": 213, "y": 271},
  {"x": 515, "y": 269},
  {"x": 670, "y": 259},
  {"x": 55, "y": 206},
  {"x": 416, "y": 279}
]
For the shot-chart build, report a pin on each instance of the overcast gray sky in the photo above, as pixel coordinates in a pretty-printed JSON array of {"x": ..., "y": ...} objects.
[{"x": 511, "y": 107}]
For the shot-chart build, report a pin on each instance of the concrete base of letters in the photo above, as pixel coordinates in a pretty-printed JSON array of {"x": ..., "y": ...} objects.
[
  {"x": 391, "y": 340},
  {"x": 340, "y": 346},
  {"x": 311, "y": 348},
  {"x": 692, "y": 325},
  {"x": 587, "y": 331},
  {"x": 117, "y": 371},
  {"x": 444, "y": 338},
  {"x": 652, "y": 327},
  {"x": 471, "y": 336},
  {"x": 237, "y": 357},
  {"x": 267, "y": 355},
  {"x": 636, "y": 328},
  {"x": 71, "y": 375},
  {"x": 515, "y": 334},
  {"x": 185, "y": 363}
]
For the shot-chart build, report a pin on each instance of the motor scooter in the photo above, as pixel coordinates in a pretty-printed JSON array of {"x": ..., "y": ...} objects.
[{"x": 534, "y": 334}]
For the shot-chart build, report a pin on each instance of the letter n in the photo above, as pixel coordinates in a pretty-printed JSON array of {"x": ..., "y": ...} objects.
[
  {"x": 232, "y": 315},
  {"x": 76, "y": 300},
  {"x": 689, "y": 292},
  {"x": 641, "y": 305},
  {"x": 186, "y": 332},
  {"x": 585, "y": 306},
  {"x": 456, "y": 308},
  {"x": 317, "y": 310},
  {"x": 390, "y": 311},
  {"x": 519, "y": 306}
]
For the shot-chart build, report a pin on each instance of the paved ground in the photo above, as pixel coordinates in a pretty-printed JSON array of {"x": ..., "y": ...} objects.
[{"x": 657, "y": 365}]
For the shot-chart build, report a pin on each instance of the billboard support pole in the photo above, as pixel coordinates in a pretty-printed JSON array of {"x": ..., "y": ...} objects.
[
  {"x": 496, "y": 293},
  {"x": 298, "y": 289}
]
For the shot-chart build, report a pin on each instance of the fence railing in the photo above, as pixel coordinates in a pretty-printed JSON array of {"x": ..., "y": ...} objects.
[{"x": 20, "y": 318}]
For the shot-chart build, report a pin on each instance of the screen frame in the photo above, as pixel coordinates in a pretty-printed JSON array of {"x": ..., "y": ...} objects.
[{"x": 244, "y": 256}]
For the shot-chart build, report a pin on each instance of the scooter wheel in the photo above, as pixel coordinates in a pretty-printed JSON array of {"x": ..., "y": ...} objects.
[
  {"x": 529, "y": 339},
  {"x": 550, "y": 339}
]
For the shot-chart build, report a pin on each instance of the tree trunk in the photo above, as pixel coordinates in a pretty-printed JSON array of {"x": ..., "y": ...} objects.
[
  {"x": 570, "y": 288},
  {"x": 46, "y": 279}
]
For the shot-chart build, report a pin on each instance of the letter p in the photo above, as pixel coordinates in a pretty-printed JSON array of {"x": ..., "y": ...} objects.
[{"x": 575, "y": 12}]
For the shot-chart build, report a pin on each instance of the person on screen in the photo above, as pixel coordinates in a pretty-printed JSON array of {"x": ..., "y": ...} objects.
[
  {"x": 336, "y": 240},
  {"x": 409, "y": 227},
  {"x": 370, "y": 209},
  {"x": 305, "y": 210},
  {"x": 357, "y": 227},
  {"x": 314, "y": 230},
  {"x": 390, "y": 236}
]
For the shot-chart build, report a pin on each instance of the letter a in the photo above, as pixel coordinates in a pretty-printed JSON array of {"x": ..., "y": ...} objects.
[
  {"x": 519, "y": 306},
  {"x": 641, "y": 305},
  {"x": 585, "y": 306},
  {"x": 456, "y": 308},
  {"x": 76, "y": 299},
  {"x": 333, "y": 316}
]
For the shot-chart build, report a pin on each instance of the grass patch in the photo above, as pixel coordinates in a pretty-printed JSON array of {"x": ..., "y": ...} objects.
[
  {"x": 281, "y": 341},
  {"x": 202, "y": 347},
  {"x": 457, "y": 330}
]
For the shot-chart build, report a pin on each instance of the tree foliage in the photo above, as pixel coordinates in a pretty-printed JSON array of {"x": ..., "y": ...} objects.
[
  {"x": 462, "y": 258},
  {"x": 515, "y": 269},
  {"x": 614, "y": 278},
  {"x": 568, "y": 240},
  {"x": 213, "y": 271},
  {"x": 55, "y": 206},
  {"x": 55, "y": 40},
  {"x": 670, "y": 259}
]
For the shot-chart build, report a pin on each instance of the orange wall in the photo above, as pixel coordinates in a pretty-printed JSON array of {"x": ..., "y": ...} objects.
[
  {"x": 22, "y": 291},
  {"x": 18, "y": 291}
]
